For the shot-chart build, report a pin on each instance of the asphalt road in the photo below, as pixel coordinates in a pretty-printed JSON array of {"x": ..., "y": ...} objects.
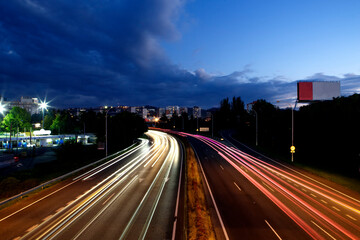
[
  {"x": 262, "y": 199},
  {"x": 134, "y": 196}
]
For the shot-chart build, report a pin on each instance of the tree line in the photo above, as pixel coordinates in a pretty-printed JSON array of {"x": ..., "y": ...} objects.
[
  {"x": 123, "y": 128},
  {"x": 326, "y": 133}
]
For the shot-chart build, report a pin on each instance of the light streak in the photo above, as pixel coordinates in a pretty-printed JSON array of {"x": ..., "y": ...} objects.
[{"x": 267, "y": 172}]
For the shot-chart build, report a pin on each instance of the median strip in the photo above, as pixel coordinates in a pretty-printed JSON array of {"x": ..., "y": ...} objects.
[{"x": 199, "y": 225}]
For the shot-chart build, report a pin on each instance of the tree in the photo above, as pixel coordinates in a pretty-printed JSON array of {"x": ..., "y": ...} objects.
[
  {"x": 58, "y": 124},
  {"x": 17, "y": 118}
]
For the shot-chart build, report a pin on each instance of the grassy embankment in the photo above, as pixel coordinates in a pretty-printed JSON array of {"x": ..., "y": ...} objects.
[{"x": 199, "y": 225}]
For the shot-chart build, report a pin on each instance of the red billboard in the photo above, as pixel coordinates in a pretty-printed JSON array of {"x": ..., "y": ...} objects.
[{"x": 313, "y": 91}]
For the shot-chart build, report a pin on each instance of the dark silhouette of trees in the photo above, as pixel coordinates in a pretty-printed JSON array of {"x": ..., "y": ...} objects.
[{"x": 326, "y": 134}]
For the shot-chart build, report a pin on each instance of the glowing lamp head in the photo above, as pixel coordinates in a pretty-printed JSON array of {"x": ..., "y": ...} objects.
[
  {"x": 44, "y": 105},
  {"x": 2, "y": 109}
]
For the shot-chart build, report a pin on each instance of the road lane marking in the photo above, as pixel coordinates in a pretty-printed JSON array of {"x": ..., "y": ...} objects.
[
  {"x": 17, "y": 238},
  {"x": 313, "y": 195},
  {"x": 304, "y": 190},
  {"x": 108, "y": 199},
  {"x": 178, "y": 194},
  {"x": 47, "y": 218},
  {"x": 221, "y": 167},
  {"x": 323, "y": 230},
  {"x": 237, "y": 186},
  {"x": 336, "y": 208},
  {"x": 268, "y": 187},
  {"x": 104, "y": 208},
  {"x": 211, "y": 195},
  {"x": 60, "y": 209},
  {"x": 324, "y": 201},
  {"x": 36, "y": 201},
  {"x": 351, "y": 217},
  {"x": 32, "y": 228},
  {"x": 354, "y": 199},
  {"x": 69, "y": 203},
  {"x": 273, "y": 229}
]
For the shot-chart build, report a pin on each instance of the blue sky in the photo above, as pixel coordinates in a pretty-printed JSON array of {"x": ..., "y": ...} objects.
[
  {"x": 175, "y": 52},
  {"x": 294, "y": 39}
]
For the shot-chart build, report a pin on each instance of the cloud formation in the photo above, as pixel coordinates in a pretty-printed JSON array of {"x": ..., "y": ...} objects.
[{"x": 91, "y": 53}]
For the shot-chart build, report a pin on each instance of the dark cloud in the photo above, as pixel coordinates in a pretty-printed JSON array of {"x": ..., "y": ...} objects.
[{"x": 90, "y": 53}]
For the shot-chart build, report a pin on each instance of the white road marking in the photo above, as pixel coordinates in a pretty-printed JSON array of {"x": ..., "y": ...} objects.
[
  {"x": 336, "y": 208},
  {"x": 237, "y": 186},
  {"x": 47, "y": 218},
  {"x": 108, "y": 199},
  {"x": 60, "y": 209},
  {"x": 324, "y": 201},
  {"x": 272, "y": 229},
  {"x": 32, "y": 228},
  {"x": 323, "y": 230},
  {"x": 17, "y": 238},
  {"x": 351, "y": 217},
  {"x": 268, "y": 187},
  {"x": 221, "y": 167},
  {"x": 313, "y": 195},
  {"x": 212, "y": 197}
]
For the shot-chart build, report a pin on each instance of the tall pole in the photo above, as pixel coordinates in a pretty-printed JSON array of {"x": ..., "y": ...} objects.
[
  {"x": 106, "y": 136},
  {"x": 43, "y": 118},
  {"x": 292, "y": 133},
  {"x": 292, "y": 130},
  {"x": 197, "y": 123},
  {"x": 212, "y": 125},
  {"x": 10, "y": 145},
  {"x": 256, "y": 137}
]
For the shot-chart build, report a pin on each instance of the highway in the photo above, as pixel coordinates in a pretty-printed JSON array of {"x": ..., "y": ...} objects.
[
  {"x": 257, "y": 198},
  {"x": 134, "y": 196}
]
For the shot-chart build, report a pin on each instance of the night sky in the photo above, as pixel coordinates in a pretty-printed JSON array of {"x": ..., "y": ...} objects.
[{"x": 87, "y": 53}]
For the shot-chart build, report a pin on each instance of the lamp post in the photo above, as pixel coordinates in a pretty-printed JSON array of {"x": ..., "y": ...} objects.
[
  {"x": 212, "y": 125},
  {"x": 106, "y": 135},
  {"x": 2, "y": 110},
  {"x": 292, "y": 148},
  {"x": 43, "y": 106},
  {"x": 256, "y": 134}
]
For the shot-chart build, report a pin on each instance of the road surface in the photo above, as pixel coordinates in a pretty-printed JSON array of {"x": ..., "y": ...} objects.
[
  {"x": 134, "y": 196},
  {"x": 262, "y": 199}
]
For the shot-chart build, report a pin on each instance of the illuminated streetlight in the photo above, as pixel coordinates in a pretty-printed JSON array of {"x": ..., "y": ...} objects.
[
  {"x": 43, "y": 105},
  {"x": 2, "y": 108}
]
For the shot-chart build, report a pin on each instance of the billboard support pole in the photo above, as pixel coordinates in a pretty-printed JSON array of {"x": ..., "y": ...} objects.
[{"x": 292, "y": 129}]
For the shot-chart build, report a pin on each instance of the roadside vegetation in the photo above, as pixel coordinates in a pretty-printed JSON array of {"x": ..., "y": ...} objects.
[
  {"x": 123, "y": 129},
  {"x": 325, "y": 134},
  {"x": 199, "y": 225}
]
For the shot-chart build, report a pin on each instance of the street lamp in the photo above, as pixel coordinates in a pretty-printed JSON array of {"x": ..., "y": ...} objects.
[
  {"x": 292, "y": 148},
  {"x": 106, "y": 135},
  {"x": 2, "y": 109},
  {"x": 43, "y": 106}
]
